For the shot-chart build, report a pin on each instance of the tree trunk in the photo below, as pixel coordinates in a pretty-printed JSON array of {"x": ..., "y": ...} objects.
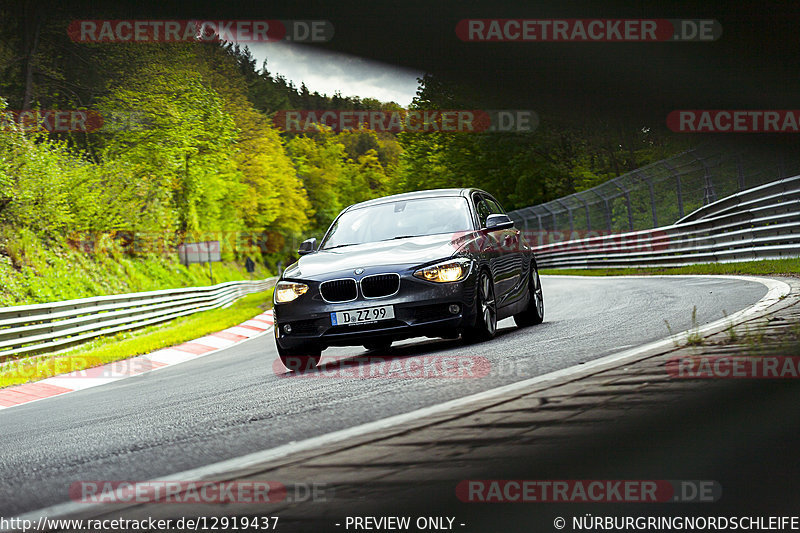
[{"x": 31, "y": 29}]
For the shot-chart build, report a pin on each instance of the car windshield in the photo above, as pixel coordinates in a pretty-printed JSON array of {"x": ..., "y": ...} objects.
[{"x": 403, "y": 218}]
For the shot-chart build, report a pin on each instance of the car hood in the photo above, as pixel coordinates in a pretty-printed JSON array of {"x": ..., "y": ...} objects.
[{"x": 409, "y": 251}]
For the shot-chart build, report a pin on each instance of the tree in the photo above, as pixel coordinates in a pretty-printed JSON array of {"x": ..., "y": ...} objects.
[{"x": 182, "y": 155}]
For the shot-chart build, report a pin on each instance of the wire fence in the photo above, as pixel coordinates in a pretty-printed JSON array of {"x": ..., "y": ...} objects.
[
  {"x": 762, "y": 222},
  {"x": 661, "y": 193}
]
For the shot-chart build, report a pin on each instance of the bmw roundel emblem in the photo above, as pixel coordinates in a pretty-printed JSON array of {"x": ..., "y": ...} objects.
[{"x": 358, "y": 271}]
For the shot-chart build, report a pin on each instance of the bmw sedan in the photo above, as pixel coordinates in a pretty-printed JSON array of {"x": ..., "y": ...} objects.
[{"x": 437, "y": 263}]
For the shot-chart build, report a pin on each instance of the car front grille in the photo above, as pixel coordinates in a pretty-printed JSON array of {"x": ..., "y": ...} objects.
[
  {"x": 338, "y": 290},
  {"x": 380, "y": 285}
]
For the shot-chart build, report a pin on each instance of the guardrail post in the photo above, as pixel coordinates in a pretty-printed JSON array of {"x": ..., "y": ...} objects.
[
  {"x": 678, "y": 187},
  {"x": 607, "y": 208},
  {"x": 527, "y": 213},
  {"x": 739, "y": 172},
  {"x": 628, "y": 203},
  {"x": 569, "y": 213},
  {"x": 553, "y": 214},
  {"x": 586, "y": 209},
  {"x": 708, "y": 194},
  {"x": 652, "y": 197}
]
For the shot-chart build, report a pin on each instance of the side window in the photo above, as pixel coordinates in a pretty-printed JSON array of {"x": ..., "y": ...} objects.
[
  {"x": 483, "y": 210},
  {"x": 494, "y": 207},
  {"x": 486, "y": 206}
]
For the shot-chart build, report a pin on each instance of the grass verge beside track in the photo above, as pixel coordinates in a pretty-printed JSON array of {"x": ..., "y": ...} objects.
[
  {"x": 765, "y": 267},
  {"x": 131, "y": 343}
]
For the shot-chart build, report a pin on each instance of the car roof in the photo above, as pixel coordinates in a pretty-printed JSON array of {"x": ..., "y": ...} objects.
[{"x": 429, "y": 193}]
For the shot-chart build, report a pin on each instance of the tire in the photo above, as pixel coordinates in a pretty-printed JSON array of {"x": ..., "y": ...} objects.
[
  {"x": 300, "y": 359},
  {"x": 485, "y": 311},
  {"x": 534, "y": 314},
  {"x": 378, "y": 346}
]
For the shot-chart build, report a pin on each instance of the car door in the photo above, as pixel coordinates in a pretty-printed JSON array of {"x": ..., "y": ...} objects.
[{"x": 505, "y": 258}]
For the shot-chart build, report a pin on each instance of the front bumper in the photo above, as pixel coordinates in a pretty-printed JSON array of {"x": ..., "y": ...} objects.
[{"x": 421, "y": 309}]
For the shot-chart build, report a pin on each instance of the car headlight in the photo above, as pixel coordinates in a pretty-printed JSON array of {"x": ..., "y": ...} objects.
[
  {"x": 446, "y": 271},
  {"x": 286, "y": 291}
]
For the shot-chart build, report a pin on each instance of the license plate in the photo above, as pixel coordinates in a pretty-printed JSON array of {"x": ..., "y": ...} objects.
[{"x": 362, "y": 316}]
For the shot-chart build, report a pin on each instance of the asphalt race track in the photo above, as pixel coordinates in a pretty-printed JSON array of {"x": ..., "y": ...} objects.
[{"x": 233, "y": 403}]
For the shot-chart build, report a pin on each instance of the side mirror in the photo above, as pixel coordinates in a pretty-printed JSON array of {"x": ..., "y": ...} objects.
[
  {"x": 307, "y": 246},
  {"x": 498, "y": 221}
]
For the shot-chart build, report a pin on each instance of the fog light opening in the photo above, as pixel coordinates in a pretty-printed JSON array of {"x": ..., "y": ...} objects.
[
  {"x": 287, "y": 329},
  {"x": 454, "y": 309}
]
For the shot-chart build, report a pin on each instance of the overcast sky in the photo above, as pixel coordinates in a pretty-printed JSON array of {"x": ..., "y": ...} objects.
[{"x": 328, "y": 72}]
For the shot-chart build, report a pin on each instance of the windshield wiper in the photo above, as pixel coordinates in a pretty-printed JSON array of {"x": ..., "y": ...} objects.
[{"x": 340, "y": 245}]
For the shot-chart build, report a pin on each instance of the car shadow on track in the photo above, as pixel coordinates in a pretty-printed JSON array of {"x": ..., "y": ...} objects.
[{"x": 375, "y": 363}]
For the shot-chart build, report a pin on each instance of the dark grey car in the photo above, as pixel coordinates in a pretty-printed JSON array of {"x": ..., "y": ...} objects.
[{"x": 436, "y": 263}]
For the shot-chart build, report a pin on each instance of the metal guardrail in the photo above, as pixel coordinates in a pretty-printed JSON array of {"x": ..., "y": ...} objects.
[
  {"x": 40, "y": 328},
  {"x": 759, "y": 223}
]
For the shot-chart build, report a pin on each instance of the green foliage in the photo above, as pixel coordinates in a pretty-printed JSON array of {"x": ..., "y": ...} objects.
[
  {"x": 694, "y": 337},
  {"x": 32, "y": 272},
  {"x": 338, "y": 170},
  {"x": 182, "y": 157},
  {"x": 521, "y": 169}
]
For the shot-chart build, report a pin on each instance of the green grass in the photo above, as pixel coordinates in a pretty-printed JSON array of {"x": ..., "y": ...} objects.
[
  {"x": 695, "y": 338},
  {"x": 766, "y": 267},
  {"x": 131, "y": 343}
]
